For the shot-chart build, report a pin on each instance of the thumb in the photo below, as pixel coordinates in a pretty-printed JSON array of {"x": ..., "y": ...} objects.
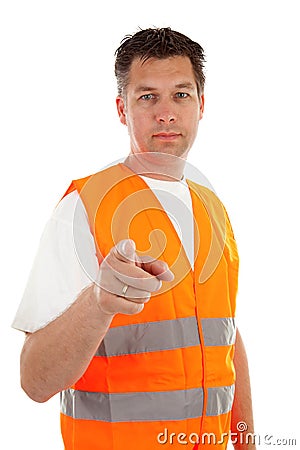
[{"x": 125, "y": 251}]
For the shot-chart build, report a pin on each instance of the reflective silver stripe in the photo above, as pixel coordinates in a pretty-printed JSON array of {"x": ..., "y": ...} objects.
[
  {"x": 133, "y": 406},
  {"x": 150, "y": 337},
  {"x": 219, "y": 331},
  {"x": 146, "y": 406},
  {"x": 219, "y": 400}
]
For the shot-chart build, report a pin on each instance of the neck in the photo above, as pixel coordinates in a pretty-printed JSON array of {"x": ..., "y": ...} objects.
[{"x": 161, "y": 166}]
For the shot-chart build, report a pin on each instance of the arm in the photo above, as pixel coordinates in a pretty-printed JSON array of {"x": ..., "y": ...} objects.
[
  {"x": 56, "y": 356},
  {"x": 242, "y": 405}
]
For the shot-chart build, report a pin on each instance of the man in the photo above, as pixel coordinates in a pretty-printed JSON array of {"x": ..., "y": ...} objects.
[{"x": 129, "y": 308}]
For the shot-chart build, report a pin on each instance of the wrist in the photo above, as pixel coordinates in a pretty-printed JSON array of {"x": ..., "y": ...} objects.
[
  {"x": 102, "y": 299},
  {"x": 101, "y": 319}
]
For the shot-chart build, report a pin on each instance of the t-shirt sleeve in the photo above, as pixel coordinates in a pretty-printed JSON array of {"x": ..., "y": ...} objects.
[{"x": 65, "y": 264}]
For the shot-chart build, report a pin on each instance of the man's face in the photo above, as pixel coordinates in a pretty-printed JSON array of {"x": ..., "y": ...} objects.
[{"x": 162, "y": 108}]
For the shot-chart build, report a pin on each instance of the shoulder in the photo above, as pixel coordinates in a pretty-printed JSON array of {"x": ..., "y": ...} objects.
[
  {"x": 107, "y": 174},
  {"x": 70, "y": 211},
  {"x": 65, "y": 208}
]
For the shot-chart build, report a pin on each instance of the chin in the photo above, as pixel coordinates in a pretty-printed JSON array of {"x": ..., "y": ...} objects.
[{"x": 170, "y": 150}]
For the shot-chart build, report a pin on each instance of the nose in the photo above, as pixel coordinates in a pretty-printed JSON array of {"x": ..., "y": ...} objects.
[
  {"x": 165, "y": 113},
  {"x": 166, "y": 118}
]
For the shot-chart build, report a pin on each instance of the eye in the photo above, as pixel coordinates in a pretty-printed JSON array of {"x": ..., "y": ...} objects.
[
  {"x": 147, "y": 97},
  {"x": 181, "y": 95}
]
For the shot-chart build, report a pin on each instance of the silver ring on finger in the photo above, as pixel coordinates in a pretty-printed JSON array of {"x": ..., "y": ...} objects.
[{"x": 124, "y": 290}]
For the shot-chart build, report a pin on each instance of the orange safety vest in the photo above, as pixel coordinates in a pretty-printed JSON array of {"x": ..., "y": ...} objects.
[{"x": 163, "y": 377}]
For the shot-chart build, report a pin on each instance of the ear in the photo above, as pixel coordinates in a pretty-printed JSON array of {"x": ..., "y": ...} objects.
[
  {"x": 201, "y": 107},
  {"x": 121, "y": 109}
]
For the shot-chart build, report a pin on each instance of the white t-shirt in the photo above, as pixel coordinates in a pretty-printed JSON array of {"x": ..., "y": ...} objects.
[{"x": 58, "y": 275}]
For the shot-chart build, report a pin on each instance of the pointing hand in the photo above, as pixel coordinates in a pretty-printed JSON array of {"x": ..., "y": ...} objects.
[{"x": 125, "y": 281}]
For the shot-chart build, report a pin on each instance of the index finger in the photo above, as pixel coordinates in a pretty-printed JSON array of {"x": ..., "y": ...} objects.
[{"x": 156, "y": 267}]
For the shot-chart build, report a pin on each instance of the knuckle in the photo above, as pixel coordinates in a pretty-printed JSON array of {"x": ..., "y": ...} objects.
[
  {"x": 138, "y": 300},
  {"x": 136, "y": 308},
  {"x": 107, "y": 307},
  {"x": 110, "y": 261},
  {"x": 129, "y": 306}
]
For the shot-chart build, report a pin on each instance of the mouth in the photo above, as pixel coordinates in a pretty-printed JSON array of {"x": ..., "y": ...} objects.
[{"x": 167, "y": 136}]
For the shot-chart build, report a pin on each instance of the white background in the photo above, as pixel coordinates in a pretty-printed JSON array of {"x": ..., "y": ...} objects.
[{"x": 58, "y": 122}]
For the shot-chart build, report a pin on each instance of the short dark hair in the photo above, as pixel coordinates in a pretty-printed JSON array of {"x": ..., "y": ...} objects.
[{"x": 158, "y": 43}]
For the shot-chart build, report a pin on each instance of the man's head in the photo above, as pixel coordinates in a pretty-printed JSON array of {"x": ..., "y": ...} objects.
[
  {"x": 160, "y": 86},
  {"x": 160, "y": 43}
]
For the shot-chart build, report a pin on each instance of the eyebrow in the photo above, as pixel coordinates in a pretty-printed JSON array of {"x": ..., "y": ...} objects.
[
  {"x": 187, "y": 85},
  {"x": 184, "y": 85},
  {"x": 144, "y": 88}
]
